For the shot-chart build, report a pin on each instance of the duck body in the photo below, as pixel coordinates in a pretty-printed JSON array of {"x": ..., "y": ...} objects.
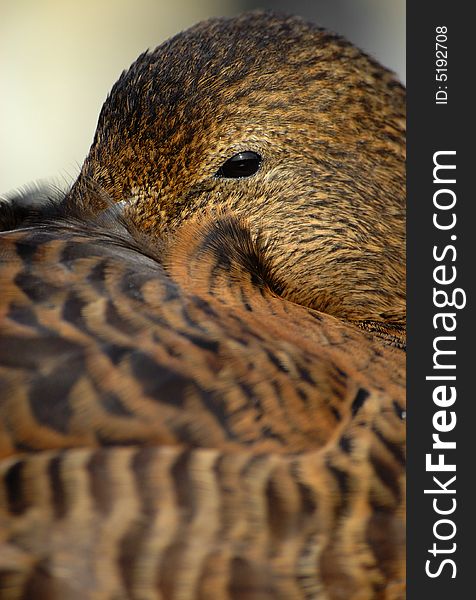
[{"x": 202, "y": 375}]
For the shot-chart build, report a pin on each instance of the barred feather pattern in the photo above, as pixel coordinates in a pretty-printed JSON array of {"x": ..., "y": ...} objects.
[
  {"x": 265, "y": 445},
  {"x": 202, "y": 379}
]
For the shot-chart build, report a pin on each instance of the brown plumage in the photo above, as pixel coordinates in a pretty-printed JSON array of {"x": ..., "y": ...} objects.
[{"x": 202, "y": 375}]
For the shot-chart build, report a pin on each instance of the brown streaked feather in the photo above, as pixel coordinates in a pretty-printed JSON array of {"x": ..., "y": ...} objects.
[
  {"x": 171, "y": 522},
  {"x": 202, "y": 380},
  {"x": 125, "y": 350}
]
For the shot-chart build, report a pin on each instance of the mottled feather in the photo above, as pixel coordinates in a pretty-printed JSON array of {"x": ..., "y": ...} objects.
[{"x": 202, "y": 380}]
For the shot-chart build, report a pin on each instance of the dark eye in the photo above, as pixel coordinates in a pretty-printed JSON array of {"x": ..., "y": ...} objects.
[{"x": 242, "y": 164}]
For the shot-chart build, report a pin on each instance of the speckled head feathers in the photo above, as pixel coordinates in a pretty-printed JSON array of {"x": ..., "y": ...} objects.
[
  {"x": 172, "y": 423},
  {"x": 328, "y": 200}
]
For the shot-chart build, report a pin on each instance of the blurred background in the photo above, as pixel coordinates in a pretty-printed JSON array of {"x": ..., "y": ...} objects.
[{"x": 59, "y": 59}]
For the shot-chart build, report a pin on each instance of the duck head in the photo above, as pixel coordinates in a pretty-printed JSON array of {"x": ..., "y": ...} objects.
[{"x": 282, "y": 123}]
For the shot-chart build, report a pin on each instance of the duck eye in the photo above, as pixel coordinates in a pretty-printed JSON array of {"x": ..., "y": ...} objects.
[{"x": 242, "y": 164}]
